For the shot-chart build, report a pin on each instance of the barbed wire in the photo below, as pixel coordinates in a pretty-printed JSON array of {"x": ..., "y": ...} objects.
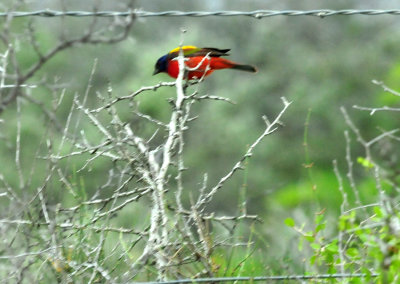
[
  {"x": 258, "y": 14},
  {"x": 264, "y": 278}
]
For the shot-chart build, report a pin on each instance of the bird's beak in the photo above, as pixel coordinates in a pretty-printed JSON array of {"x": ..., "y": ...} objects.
[{"x": 156, "y": 71}]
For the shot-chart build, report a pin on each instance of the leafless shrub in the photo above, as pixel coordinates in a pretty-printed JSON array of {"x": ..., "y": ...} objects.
[{"x": 79, "y": 238}]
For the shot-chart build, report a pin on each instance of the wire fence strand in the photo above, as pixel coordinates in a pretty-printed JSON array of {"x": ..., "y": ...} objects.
[
  {"x": 264, "y": 278},
  {"x": 258, "y": 14}
]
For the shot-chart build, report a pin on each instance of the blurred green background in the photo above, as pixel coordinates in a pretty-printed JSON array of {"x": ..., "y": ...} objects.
[{"x": 318, "y": 64}]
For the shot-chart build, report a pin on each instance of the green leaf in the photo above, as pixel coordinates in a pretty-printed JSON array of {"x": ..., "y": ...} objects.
[
  {"x": 320, "y": 227},
  {"x": 315, "y": 246},
  {"x": 319, "y": 218},
  {"x": 332, "y": 248},
  {"x": 365, "y": 162},
  {"x": 309, "y": 237},
  {"x": 378, "y": 212},
  {"x": 313, "y": 259},
  {"x": 300, "y": 247},
  {"x": 353, "y": 252},
  {"x": 342, "y": 223},
  {"x": 289, "y": 222}
]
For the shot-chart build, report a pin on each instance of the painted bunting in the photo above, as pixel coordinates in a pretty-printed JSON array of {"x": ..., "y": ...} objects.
[{"x": 199, "y": 62}]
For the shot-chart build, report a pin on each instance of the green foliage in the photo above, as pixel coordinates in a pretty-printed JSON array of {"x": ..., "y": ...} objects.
[
  {"x": 368, "y": 245},
  {"x": 365, "y": 162},
  {"x": 289, "y": 222},
  {"x": 317, "y": 193}
]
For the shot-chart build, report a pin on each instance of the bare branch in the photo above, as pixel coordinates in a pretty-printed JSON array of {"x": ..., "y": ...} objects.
[{"x": 270, "y": 128}]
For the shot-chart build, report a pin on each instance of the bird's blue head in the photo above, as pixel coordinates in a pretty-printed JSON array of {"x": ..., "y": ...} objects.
[{"x": 161, "y": 65}]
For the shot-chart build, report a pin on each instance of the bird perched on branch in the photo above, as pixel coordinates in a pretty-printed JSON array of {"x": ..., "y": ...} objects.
[{"x": 200, "y": 62}]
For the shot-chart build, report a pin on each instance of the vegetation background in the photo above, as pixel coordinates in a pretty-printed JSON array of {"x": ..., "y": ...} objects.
[{"x": 319, "y": 64}]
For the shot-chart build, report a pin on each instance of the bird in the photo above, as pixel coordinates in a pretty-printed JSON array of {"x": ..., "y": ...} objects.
[{"x": 200, "y": 62}]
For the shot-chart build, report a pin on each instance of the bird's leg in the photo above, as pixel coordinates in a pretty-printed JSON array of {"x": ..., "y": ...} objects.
[
  {"x": 185, "y": 86},
  {"x": 186, "y": 83}
]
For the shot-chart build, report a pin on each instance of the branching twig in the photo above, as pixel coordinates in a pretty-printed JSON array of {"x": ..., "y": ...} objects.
[{"x": 270, "y": 128}]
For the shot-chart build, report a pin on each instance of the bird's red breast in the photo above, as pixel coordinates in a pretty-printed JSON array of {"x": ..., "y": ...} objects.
[{"x": 199, "y": 66}]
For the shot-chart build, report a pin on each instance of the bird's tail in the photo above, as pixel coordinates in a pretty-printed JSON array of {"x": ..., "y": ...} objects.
[
  {"x": 222, "y": 63},
  {"x": 244, "y": 67}
]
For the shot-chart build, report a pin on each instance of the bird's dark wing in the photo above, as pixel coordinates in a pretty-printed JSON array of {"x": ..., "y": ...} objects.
[
  {"x": 211, "y": 51},
  {"x": 191, "y": 51}
]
